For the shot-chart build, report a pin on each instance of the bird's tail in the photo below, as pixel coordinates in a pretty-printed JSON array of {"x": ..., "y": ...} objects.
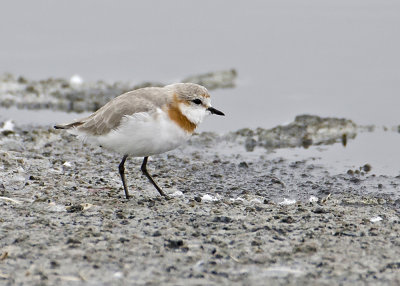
[{"x": 68, "y": 125}]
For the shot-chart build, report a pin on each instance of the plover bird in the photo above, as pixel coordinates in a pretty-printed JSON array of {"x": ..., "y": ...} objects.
[{"x": 145, "y": 122}]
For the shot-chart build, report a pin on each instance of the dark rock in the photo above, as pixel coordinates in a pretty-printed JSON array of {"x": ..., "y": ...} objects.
[
  {"x": 72, "y": 241},
  {"x": 320, "y": 210},
  {"x": 355, "y": 180},
  {"x": 250, "y": 144},
  {"x": 171, "y": 243},
  {"x": 123, "y": 239},
  {"x": 223, "y": 219},
  {"x": 243, "y": 165},
  {"x": 391, "y": 265},
  {"x": 54, "y": 264},
  {"x": 156, "y": 233},
  {"x": 288, "y": 219},
  {"x": 367, "y": 168},
  {"x": 74, "y": 208}
]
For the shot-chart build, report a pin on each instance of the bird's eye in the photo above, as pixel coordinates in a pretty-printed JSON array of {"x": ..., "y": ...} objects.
[{"x": 196, "y": 101}]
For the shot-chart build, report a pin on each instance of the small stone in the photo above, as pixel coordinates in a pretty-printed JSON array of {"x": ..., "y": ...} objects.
[
  {"x": 22, "y": 80},
  {"x": 119, "y": 214},
  {"x": 74, "y": 208},
  {"x": 54, "y": 264},
  {"x": 156, "y": 233},
  {"x": 306, "y": 248},
  {"x": 243, "y": 165},
  {"x": 250, "y": 144},
  {"x": 171, "y": 243},
  {"x": 216, "y": 175},
  {"x": 319, "y": 210},
  {"x": 306, "y": 142},
  {"x": 256, "y": 242},
  {"x": 367, "y": 168},
  {"x": 288, "y": 219},
  {"x": 355, "y": 180},
  {"x": 123, "y": 239},
  {"x": 72, "y": 241},
  {"x": 223, "y": 219}
]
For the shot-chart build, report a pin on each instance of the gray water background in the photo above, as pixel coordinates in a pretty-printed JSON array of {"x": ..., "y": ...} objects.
[{"x": 329, "y": 58}]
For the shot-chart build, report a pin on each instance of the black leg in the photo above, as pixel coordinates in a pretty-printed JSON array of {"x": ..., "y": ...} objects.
[
  {"x": 144, "y": 170},
  {"x": 122, "y": 173}
]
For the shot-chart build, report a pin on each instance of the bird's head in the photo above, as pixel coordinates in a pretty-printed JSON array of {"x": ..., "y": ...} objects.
[{"x": 193, "y": 101}]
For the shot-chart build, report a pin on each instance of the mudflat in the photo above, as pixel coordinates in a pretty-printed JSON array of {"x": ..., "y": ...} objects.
[{"x": 235, "y": 217}]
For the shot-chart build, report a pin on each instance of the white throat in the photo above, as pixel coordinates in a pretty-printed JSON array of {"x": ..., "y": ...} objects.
[{"x": 193, "y": 113}]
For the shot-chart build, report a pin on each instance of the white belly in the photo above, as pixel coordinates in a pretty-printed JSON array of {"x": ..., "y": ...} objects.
[{"x": 143, "y": 135}]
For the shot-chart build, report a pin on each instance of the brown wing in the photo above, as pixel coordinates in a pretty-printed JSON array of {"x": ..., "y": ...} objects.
[{"x": 110, "y": 115}]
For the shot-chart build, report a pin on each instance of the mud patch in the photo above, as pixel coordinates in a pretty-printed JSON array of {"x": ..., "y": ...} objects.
[{"x": 240, "y": 217}]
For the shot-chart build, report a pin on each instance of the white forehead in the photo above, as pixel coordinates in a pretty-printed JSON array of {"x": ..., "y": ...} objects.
[{"x": 206, "y": 101}]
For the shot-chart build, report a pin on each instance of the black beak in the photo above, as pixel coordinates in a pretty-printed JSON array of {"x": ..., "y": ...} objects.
[{"x": 215, "y": 111}]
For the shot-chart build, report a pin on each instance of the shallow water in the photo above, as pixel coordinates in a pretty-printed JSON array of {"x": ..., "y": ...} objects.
[
  {"x": 41, "y": 117},
  {"x": 380, "y": 149}
]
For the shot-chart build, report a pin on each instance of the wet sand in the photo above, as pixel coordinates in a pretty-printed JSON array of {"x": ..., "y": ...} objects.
[{"x": 235, "y": 217}]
